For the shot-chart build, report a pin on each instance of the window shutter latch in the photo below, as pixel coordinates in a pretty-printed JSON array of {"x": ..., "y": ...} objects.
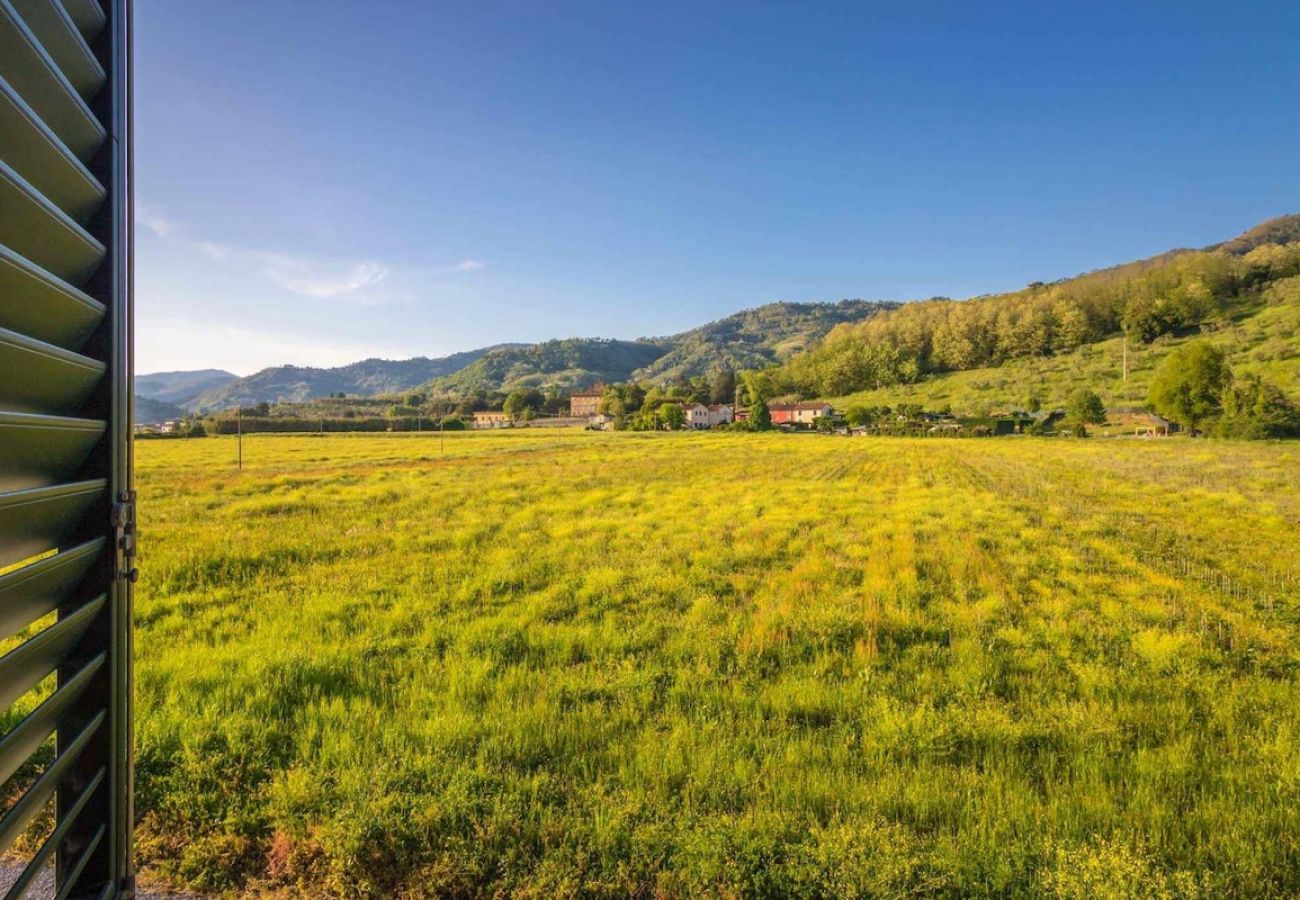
[{"x": 124, "y": 537}]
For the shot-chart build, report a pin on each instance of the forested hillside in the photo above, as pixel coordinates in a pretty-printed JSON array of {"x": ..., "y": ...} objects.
[
  {"x": 181, "y": 387},
  {"x": 149, "y": 411},
  {"x": 564, "y": 364},
  {"x": 1260, "y": 338},
  {"x": 753, "y": 338},
  {"x": 298, "y": 383},
  {"x": 1163, "y": 298}
]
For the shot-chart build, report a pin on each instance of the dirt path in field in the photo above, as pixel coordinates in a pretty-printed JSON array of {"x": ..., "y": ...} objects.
[{"x": 43, "y": 886}]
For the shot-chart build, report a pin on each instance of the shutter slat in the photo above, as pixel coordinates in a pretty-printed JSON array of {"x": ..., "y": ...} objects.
[
  {"x": 26, "y": 65},
  {"x": 37, "y": 303},
  {"x": 33, "y": 225},
  {"x": 35, "y": 590},
  {"x": 25, "y": 666},
  {"x": 62, "y": 40},
  {"x": 37, "y": 521},
  {"x": 21, "y": 813},
  {"x": 74, "y": 874},
  {"x": 88, "y": 15},
  {"x": 65, "y": 414},
  {"x": 42, "y": 856},
  {"x": 28, "y": 735},
  {"x": 36, "y": 451},
  {"x": 55, "y": 381},
  {"x": 36, "y": 153}
]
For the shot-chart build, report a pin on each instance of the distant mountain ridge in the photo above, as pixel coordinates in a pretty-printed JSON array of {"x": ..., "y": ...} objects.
[
  {"x": 751, "y": 338},
  {"x": 294, "y": 384},
  {"x": 179, "y": 388},
  {"x": 150, "y": 412}
]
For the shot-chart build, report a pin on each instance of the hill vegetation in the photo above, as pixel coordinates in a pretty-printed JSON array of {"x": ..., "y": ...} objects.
[
  {"x": 752, "y": 339},
  {"x": 293, "y": 384},
  {"x": 561, "y": 364},
  {"x": 149, "y": 411},
  {"x": 1260, "y": 336},
  {"x": 180, "y": 388},
  {"x": 1106, "y": 329},
  {"x": 1161, "y": 299}
]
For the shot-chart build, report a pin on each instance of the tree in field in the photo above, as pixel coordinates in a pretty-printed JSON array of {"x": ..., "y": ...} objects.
[
  {"x": 672, "y": 415},
  {"x": 523, "y": 404},
  {"x": 1253, "y": 408},
  {"x": 722, "y": 389},
  {"x": 1189, "y": 385},
  {"x": 857, "y": 416},
  {"x": 1085, "y": 407},
  {"x": 759, "y": 414},
  {"x": 757, "y": 386}
]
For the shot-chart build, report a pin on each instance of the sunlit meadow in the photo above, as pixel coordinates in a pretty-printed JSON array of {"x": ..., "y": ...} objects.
[{"x": 557, "y": 663}]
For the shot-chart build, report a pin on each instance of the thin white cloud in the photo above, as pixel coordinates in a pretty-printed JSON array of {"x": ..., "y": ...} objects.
[
  {"x": 214, "y": 250},
  {"x": 301, "y": 275},
  {"x": 314, "y": 279},
  {"x": 157, "y": 224}
]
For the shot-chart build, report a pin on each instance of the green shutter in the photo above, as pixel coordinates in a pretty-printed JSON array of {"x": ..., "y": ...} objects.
[{"x": 66, "y": 499}]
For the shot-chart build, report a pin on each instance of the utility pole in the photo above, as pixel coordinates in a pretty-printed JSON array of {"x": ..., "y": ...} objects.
[
  {"x": 239, "y": 432},
  {"x": 442, "y": 435}
]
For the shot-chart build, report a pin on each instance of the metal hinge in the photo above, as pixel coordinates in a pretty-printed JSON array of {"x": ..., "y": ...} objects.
[{"x": 124, "y": 537}]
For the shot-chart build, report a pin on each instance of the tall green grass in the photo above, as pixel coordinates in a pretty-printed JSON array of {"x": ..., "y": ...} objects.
[{"x": 575, "y": 664}]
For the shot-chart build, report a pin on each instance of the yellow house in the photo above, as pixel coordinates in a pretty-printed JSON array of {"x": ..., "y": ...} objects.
[{"x": 491, "y": 418}]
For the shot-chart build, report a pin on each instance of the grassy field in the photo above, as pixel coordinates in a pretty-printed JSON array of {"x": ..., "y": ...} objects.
[
  {"x": 1262, "y": 340},
  {"x": 742, "y": 665}
]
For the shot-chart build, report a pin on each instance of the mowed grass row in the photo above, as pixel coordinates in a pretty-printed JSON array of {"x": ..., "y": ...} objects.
[{"x": 564, "y": 663}]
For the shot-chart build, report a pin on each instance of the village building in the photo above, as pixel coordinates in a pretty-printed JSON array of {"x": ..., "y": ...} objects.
[
  {"x": 702, "y": 417},
  {"x": 491, "y": 418},
  {"x": 808, "y": 413},
  {"x": 801, "y": 414},
  {"x": 586, "y": 403}
]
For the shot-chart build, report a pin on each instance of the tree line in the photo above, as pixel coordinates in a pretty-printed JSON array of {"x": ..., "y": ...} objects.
[{"x": 1172, "y": 294}]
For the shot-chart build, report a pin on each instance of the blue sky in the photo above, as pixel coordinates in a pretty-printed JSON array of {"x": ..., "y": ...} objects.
[{"x": 414, "y": 178}]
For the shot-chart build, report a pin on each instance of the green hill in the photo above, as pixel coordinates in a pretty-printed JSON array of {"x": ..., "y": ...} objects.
[
  {"x": 563, "y": 364},
  {"x": 753, "y": 338},
  {"x": 1262, "y": 339},
  {"x": 149, "y": 411},
  {"x": 294, "y": 384},
  {"x": 180, "y": 387},
  {"x": 1042, "y": 341}
]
